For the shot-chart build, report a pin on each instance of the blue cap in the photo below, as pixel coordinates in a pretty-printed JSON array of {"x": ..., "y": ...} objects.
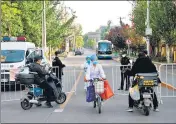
[
  {"x": 88, "y": 57},
  {"x": 95, "y": 62},
  {"x": 93, "y": 57}
]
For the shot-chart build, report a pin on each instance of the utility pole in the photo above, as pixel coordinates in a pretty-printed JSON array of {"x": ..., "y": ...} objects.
[
  {"x": 148, "y": 31},
  {"x": 44, "y": 28}
]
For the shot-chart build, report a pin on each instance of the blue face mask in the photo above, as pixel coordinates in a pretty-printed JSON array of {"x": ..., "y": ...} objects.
[{"x": 88, "y": 61}]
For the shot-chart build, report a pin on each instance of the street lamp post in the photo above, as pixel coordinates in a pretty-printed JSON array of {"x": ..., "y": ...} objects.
[
  {"x": 44, "y": 44},
  {"x": 148, "y": 31},
  {"x": 44, "y": 28}
]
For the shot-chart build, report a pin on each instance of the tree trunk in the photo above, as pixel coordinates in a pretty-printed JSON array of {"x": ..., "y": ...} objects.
[
  {"x": 50, "y": 53},
  {"x": 158, "y": 49},
  {"x": 168, "y": 53}
]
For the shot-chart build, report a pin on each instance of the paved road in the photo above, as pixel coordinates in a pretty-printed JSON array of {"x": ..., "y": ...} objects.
[{"x": 76, "y": 110}]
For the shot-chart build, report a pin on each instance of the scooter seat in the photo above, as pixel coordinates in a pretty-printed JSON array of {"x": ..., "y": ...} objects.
[{"x": 147, "y": 74}]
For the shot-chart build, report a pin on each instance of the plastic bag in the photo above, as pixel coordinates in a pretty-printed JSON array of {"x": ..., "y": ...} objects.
[
  {"x": 134, "y": 92},
  {"x": 90, "y": 94},
  {"x": 108, "y": 93}
]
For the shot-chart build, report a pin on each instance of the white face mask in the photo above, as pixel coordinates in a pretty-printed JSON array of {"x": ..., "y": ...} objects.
[{"x": 123, "y": 55}]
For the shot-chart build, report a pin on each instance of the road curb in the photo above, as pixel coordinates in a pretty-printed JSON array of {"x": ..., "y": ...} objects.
[{"x": 165, "y": 85}]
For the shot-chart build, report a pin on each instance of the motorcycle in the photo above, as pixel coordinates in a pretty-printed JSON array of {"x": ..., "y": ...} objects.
[
  {"x": 143, "y": 99},
  {"x": 35, "y": 94}
]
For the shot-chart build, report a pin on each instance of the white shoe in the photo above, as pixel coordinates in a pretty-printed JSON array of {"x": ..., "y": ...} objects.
[
  {"x": 130, "y": 110},
  {"x": 156, "y": 110}
]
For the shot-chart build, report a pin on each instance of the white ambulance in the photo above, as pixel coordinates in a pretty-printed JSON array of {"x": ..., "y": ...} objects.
[{"x": 15, "y": 52}]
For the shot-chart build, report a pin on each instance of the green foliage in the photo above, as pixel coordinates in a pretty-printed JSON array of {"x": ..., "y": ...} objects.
[
  {"x": 11, "y": 21},
  {"x": 24, "y": 18},
  {"x": 79, "y": 42},
  {"x": 162, "y": 20},
  {"x": 140, "y": 17},
  {"x": 91, "y": 43}
]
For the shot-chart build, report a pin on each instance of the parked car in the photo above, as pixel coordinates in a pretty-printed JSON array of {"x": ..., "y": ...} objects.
[{"x": 78, "y": 52}]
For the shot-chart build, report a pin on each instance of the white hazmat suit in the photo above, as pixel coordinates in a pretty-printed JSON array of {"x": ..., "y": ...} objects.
[{"x": 95, "y": 72}]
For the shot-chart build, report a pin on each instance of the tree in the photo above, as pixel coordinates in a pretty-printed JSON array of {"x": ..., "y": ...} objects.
[
  {"x": 79, "y": 42},
  {"x": 129, "y": 33},
  {"x": 166, "y": 24},
  {"x": 116, "y": 37},
  {"x": 31, "y": 20},
  {"x": 24, "y": 18},
  {"x": 85, "y": 38},
  {"x": 11, "y": 21},
  {"x": 162, "y": 14},
  {"x": 91, "y": 43}
]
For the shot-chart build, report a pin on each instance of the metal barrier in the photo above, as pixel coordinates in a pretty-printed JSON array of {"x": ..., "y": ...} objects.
[
  {"x": 117, "y": 76},
  {"x": 113, "y": 75},
  {"x": 167, "y": 73},
  {"x": 12, "y": 91}
]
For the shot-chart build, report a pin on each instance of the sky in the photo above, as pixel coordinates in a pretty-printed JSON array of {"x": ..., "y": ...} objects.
[{"x": 92, "y": 14}]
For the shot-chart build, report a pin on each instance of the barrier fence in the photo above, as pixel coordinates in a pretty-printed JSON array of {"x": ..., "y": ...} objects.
[
  {"x": 11, "y": 91},
  {"x": 167, "y": 73}
]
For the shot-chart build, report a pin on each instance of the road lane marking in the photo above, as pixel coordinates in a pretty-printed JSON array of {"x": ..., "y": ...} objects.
[{"x": 62, "y": 106}]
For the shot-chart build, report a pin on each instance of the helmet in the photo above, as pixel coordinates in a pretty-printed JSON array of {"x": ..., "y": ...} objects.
[
  {"x": 141, "y": 54},
  {"x": 36, "y": 58},
  {"x": 93, "y": 57},
  {"x": 56, "y": 53}
]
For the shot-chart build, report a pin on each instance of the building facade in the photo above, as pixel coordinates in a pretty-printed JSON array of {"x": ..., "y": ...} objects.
[{"x": 94, "y": 36}]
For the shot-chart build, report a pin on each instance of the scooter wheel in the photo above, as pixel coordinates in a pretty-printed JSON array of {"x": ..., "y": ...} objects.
[
  {"x": 26, "y": 105},
  {"x": 62, "y": 98}
]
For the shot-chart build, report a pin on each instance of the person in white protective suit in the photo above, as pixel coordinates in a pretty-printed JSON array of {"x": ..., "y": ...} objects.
[
  {"x": 95, "y": 71},
  {"x": 87, "y": 64}
]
